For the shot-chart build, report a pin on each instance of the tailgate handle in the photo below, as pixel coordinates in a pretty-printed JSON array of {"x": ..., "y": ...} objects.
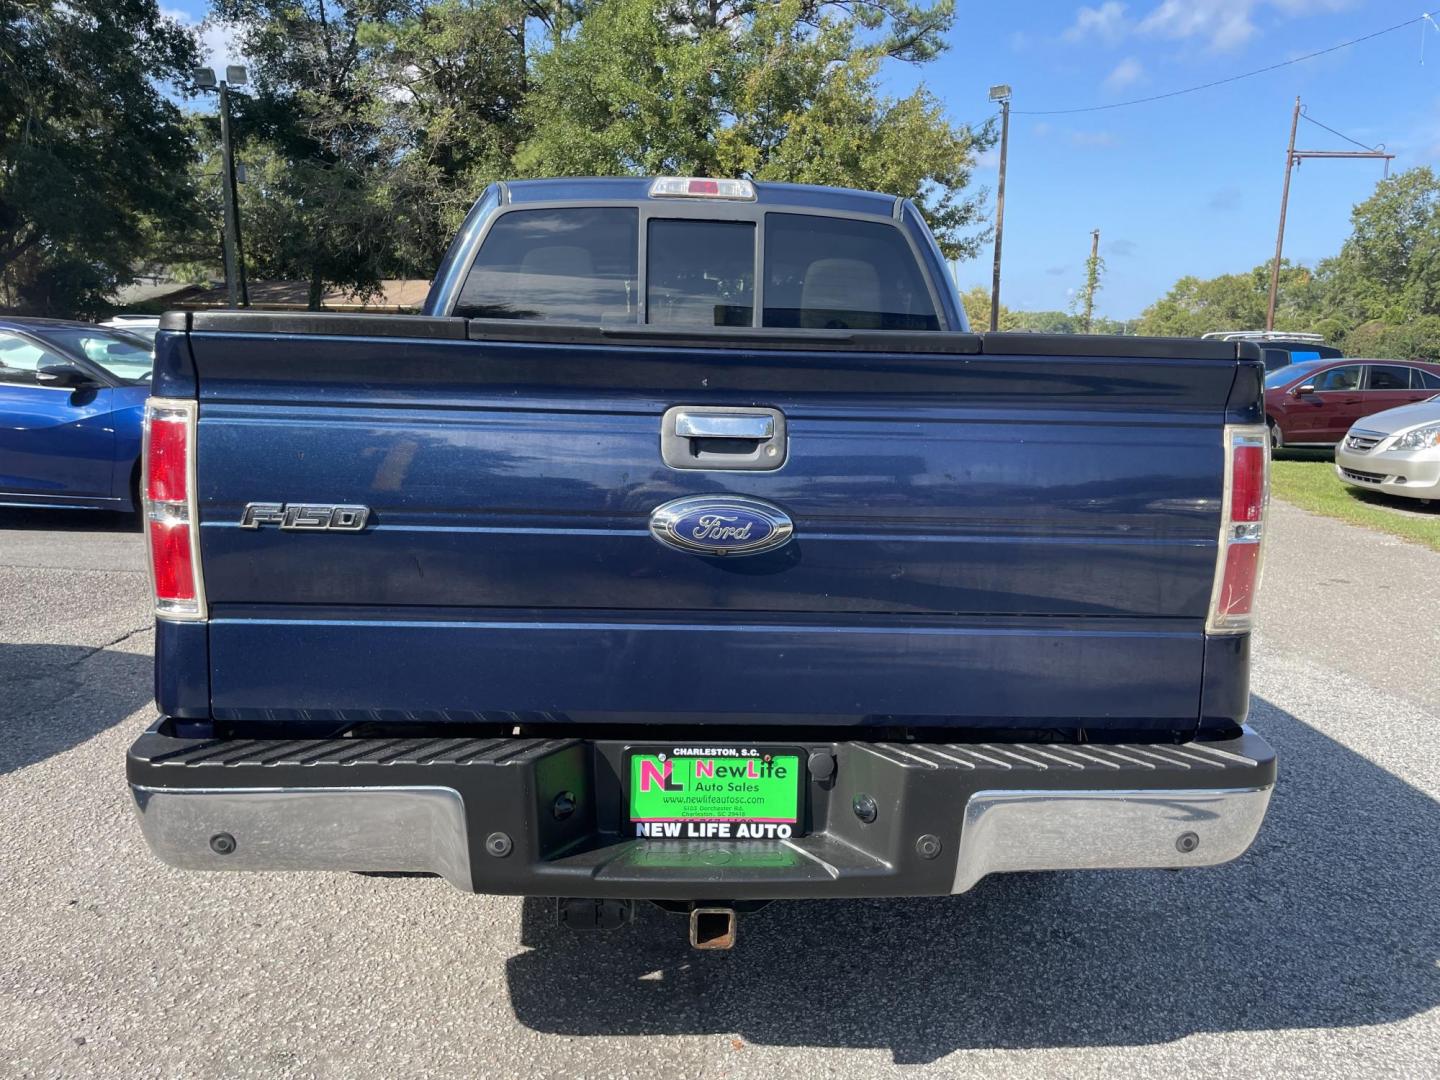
[
  {"x": 730, "y": 438},
  {"x": 690, "y": 425}
]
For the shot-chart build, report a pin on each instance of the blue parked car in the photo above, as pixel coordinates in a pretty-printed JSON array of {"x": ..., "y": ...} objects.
[{"x": 71, "y": 399}]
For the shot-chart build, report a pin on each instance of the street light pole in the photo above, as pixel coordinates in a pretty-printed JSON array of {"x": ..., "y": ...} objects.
[
  {"x": 1002, "y": 95},
  {"x": 232, "y": 225},
  {"x": 236, "y": 292}
]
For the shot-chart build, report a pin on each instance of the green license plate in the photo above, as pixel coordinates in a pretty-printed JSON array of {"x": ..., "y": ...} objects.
[{"x": 726, "y": 793}]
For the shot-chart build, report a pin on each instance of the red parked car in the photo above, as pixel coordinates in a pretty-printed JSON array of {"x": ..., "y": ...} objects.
[{"x": 1314, "y": 403}]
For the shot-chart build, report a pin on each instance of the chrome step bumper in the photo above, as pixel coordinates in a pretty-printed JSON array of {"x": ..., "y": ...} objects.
[{"x": 485, "y": 814}]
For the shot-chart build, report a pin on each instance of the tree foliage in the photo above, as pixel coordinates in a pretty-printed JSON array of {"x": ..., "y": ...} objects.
[
  {"x": 1388, "y": 271},
  {"x": 783, "y": 91},
  {"x": 1196, "y": 306},
  {"x": 977, "y": 309},
  {"x": 93, "y": 156},
  {"x": 452, "y": 78}
]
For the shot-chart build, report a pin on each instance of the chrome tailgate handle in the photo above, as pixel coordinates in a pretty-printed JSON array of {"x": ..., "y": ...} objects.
[
  {"x": 723, "y": 437},
  {"x": 727, "y": 425}
]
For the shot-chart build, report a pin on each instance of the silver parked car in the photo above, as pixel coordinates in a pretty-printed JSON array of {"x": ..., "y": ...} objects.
[{"x": 1396, "y": 451}]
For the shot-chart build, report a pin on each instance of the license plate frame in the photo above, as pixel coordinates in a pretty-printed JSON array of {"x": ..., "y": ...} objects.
[{"x": 714, "y": 813}]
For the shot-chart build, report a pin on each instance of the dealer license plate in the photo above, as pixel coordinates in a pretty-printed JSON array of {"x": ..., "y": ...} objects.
[{"x": 707, "y": 792}]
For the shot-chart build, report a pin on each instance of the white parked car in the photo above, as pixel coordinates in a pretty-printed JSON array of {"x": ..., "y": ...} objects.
[
  {"x": 141, "y": 326},
  {"x": 1396, "y": 451}
]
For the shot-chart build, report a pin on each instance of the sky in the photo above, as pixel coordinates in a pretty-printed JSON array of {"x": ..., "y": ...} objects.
[{"x": 1188, "y": 185}]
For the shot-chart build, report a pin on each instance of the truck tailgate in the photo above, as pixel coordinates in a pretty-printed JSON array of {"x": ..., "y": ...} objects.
[{"x": 1017, "y": 536}]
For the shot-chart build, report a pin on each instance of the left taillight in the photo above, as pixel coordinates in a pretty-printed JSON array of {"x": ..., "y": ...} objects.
[
  {"x": 1238, "y": 560},
  {"x": 171, "y": 515}
]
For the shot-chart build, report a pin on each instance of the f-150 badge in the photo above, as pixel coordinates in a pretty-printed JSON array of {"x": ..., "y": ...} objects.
[
  {"x": 721, "y": 525},
  {"x": 305, "y": 517}
]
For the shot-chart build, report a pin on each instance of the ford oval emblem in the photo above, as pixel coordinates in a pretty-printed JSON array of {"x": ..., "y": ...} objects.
[{"x": 721, "y": 525}]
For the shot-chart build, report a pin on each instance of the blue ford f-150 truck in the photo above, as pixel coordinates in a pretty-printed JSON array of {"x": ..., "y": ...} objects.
[{"x": 689, "y": 548}]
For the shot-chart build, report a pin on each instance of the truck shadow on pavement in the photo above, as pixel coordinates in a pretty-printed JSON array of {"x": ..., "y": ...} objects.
[
  {"x": 1331, "y": 920},
  {"x": 44, "y": 519},
  {"x": 54, "y": 697}
]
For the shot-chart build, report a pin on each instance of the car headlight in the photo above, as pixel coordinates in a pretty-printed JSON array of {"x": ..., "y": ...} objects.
[{"x": 1421, "y": 438}]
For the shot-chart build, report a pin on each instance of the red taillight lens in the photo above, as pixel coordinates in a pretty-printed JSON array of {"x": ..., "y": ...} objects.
[
  {"x": 1237, "y": 582},
  {"x": 1247, "y": 483},
  {"x": 1242, "y": 526},
  {"x": 170, "y": 509},
  {"x": 171, "y": 558},
  {"x": 704, "y": 187},
  {"x": 165, "y": 459}
]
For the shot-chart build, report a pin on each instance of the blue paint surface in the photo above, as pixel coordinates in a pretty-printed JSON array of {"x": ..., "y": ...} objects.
[{"x": 979, "y": 540}]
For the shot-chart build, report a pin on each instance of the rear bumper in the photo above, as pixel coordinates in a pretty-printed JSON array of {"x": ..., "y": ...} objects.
[{"x": 490, "y": 815}]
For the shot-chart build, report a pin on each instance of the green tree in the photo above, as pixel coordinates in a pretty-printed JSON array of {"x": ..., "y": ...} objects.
[
  {"x": 94, "y": 157},
  {"x": 1196, "y": 306},
  {"x": 1094, "y": 268},
  {"x": 1414, "y": 339},
  {"x": 373, "y": 125},
  {"x": 1389, "y": 268},
  {"x": 976, "y": 301},
  {"x": 315, "y": 141},
  {"x": 453, "y": 77},
  {"x": 783, "y": 91}
]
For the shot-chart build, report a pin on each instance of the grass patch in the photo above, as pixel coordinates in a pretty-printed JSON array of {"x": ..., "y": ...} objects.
[{"x": 1307, "y": 479}]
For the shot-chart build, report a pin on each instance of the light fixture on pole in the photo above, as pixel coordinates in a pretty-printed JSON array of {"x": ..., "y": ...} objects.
[
  {"x": 1001, "y": 94},
  {"x": 204, "y": 78}
]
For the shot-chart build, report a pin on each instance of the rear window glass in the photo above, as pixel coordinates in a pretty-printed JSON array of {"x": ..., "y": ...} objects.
[
  {"x": 700, "y": 273},
  {"x": 835, "y": 273},
  {"x": 573, "y": 265},
  {"x": 1389, "y": 378}
]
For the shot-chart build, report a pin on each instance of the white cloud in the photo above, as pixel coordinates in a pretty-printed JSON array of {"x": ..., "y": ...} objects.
[
  {"x": 1106, "y": 22},
  {"x": 1220, "y": 24},
  {"x": 1127, "y": 73},
  {"x": 1092, "y": 138},
  {"x": 219, "y": 44},
  {"x": 1225, "y": 23}
]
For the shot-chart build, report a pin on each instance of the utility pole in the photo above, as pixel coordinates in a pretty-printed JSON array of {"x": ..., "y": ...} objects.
[
  {"x": 1092, "y": 277},
  {"x": 235, "y": 289},
  {"x": 1284, "y": 205},
  {"x": 1293, "y": 158},
  {"x": 1001, "y": 94}
]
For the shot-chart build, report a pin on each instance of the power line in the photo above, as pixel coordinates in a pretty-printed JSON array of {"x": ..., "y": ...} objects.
[{"x": 1222, "y": 82}]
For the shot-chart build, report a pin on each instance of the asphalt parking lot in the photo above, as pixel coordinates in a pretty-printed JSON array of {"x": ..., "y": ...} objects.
[{"x": 1316, "y": 954}]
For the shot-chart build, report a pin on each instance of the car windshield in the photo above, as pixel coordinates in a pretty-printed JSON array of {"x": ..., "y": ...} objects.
[
  {"x": 1281, "y": 376},
  {"x": 122, "y": 355}
]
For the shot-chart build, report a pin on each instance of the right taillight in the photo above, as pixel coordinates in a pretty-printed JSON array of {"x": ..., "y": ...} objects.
[
  {"x": 1242, "y": 527},
  {"x": 171, "y": 517}
]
